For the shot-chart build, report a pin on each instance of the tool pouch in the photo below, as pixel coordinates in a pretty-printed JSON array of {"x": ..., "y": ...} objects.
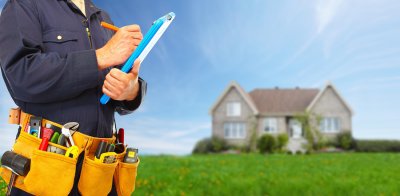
[
  {"x": 96, "y": 178},
  {"x": 125, "y": 175},
  {"x": 46, "y": 168},
  {"x": 50, "y": 168}
]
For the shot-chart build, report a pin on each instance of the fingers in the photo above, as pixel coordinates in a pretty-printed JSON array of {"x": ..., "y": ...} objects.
[
  {"x": 109, "y": 93},
  {"x": 117, "y": 77},
  {"x": 136, "y": 67},
  {"x": 116, "y": 83},
  {"x": 131, "y": 28}
]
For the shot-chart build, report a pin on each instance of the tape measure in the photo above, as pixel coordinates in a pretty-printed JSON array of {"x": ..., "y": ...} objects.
[{"x": 72, "y": 152}]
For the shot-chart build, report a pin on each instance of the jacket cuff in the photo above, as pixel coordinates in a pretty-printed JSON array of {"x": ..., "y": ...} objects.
[
  {"x": 85, "y": 68},
  {"x": 127, "y": 107}
]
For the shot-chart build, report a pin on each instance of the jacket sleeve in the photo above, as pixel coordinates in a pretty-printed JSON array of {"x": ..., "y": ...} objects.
[
  {"x": 127, "y": 107},
  {"x": 32, "y": 75}
]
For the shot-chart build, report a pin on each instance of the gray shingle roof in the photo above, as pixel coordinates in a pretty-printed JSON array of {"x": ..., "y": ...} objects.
[{"x": 282, "y": 101}]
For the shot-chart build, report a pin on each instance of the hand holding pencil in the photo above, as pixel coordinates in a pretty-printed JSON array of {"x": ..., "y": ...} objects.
[
  {"x": 119, "y": 47},
  {"x": 119, "y": 85}
]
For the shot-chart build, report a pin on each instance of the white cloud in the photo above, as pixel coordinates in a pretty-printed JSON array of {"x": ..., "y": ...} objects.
[
  {"x": 7, "y": 137},
  {"x": 325, "y": 12},
  {"x": 161, "y": 136}
]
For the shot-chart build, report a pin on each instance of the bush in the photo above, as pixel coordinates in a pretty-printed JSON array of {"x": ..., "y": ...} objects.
[
  {"x": 345, "y": 141},
  {"x": 281, "y": 141},
  {"x": 266, "y": 144},
  {"x": 210, "y": 145},
  {"x": 377, "y": 146}
]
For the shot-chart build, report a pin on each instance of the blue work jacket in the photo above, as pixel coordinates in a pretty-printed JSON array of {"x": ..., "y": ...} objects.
[{"x": 48, "y": 62}]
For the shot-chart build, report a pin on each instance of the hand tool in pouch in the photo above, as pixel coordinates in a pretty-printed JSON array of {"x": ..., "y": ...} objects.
[
  {"x": 17, "y": 164},
  {"x": 131, "y": 155},
  {"x": 35, "y": 124},
  {"x": 44, "y": 144},
  {"x": 72, "y": 152},
  {"x": 47, "y": 131},
  {"x": 102, "y": 156},
  {"x": 67, "y": 130},
  {"x": 121, "y": 135}
]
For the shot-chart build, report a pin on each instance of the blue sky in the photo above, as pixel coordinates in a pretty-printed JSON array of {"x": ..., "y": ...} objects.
[{"x": 260, "y": 44}]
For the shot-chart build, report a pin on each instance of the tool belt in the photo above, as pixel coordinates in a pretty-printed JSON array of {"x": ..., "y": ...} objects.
[{"x": 53, "y": 174}]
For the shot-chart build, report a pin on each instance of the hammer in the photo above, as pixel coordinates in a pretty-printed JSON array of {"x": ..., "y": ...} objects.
[{"x": 17, "y": 164}]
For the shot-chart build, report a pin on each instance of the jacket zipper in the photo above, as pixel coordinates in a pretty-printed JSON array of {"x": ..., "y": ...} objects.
[{"x": 90, "y": 37}]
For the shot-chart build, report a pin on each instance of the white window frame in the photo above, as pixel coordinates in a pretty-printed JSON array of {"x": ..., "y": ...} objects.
[
  {"x": 330, "y": 125},
  {"x": 271, "y": 123},
  {"x": 233, "y": 108},
  {"x": 235, "y": 130}
]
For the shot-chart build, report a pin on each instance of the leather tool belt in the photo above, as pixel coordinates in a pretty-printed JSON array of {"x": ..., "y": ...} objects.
[{"x": 57, "y": 170}]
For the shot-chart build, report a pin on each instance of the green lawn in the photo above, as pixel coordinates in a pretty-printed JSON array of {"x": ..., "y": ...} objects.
[{"x": 253, "y": 174}]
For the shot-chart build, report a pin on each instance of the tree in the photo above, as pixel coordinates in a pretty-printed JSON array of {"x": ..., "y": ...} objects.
[{"x": 310, "y": 123}]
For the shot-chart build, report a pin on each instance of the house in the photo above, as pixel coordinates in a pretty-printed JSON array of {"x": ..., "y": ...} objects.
[{"x": 236, "y": 113}]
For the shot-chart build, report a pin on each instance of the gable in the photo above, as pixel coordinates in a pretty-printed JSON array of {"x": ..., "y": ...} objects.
[
  {"x": 233, "y": 96},
  {"x": 329, "y": 101},
  {"x": 234, "y": 93}
]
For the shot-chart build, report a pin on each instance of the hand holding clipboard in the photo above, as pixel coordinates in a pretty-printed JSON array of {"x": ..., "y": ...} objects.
[{"x": 150, "y": 39}]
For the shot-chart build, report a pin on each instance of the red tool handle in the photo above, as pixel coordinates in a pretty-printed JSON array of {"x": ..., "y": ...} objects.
[
  {"x": 121, "y": 135},
  {"x": 45, "y": 143}
]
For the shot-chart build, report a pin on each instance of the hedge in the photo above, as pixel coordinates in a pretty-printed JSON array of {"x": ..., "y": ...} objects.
[{"x": 377, "y": 146}]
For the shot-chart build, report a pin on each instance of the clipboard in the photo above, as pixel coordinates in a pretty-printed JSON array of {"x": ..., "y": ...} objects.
[{"x": 150, "y": 39}]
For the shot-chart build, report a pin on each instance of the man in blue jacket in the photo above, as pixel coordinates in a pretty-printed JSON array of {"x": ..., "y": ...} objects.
[{"x": 57, "y": 61}]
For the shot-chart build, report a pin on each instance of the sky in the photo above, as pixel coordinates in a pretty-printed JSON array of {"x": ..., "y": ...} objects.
[{"x": 355, "y": 44}]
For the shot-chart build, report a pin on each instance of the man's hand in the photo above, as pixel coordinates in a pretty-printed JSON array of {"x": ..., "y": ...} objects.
[
  {"x": 119, "y": 47},
  {"x": 122, "y": 86}
]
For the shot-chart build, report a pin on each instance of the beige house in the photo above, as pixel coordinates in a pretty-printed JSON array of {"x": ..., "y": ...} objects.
[{"x": 237, "y": 113}]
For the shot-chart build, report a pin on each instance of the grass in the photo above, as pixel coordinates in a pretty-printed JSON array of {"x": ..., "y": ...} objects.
[{"x": 254, "y": 174}]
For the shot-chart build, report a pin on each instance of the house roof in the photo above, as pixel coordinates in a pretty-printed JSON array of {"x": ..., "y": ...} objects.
[
  {"x": 282, "y": 101},
  {"x": 243, "y": 93}
]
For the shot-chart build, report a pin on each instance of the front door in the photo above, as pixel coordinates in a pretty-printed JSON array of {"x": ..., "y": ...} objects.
[{"x": 295, "y": 127}]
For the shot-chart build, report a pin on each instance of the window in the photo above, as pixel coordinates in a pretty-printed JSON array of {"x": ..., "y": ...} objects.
[
  {"x": 330, "y": 124},
  {"x": 233, "y": 109},
  {"x": 234, "y": 130},
  {"x": 270, "y": 125}
]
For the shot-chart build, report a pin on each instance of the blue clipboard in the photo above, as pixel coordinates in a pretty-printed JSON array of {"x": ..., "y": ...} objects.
[{"x": 150, "y": 39}]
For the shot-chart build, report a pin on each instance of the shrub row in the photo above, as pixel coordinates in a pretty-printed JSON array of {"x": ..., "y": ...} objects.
[
  {"x": 377, "y": 146},
  {"x": 210, "y": 145},
  {"x": 265, "y": 144},
  {"x": 268, "y": 144}
]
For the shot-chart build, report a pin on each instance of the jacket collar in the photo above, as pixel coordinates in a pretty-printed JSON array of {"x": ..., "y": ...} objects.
[{"x": 89, "y": 6}]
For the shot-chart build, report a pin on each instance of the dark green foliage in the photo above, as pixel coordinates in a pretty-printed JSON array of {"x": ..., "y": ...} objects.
[
  {"x": 377, "y": 146},
  {"x": 312, "y": 134},
  {"x": 345, "y": 141},
  {"x": 281, "y": 141},
  {"x": 266, "y": 144},
  {"x": 210, "y": 145}
]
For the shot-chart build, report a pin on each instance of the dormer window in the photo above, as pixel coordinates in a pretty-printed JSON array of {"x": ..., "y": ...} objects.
[{"x": 233, "y": 109}]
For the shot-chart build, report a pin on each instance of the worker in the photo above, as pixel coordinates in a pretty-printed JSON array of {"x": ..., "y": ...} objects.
[{"x": 57, "y": 61}]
